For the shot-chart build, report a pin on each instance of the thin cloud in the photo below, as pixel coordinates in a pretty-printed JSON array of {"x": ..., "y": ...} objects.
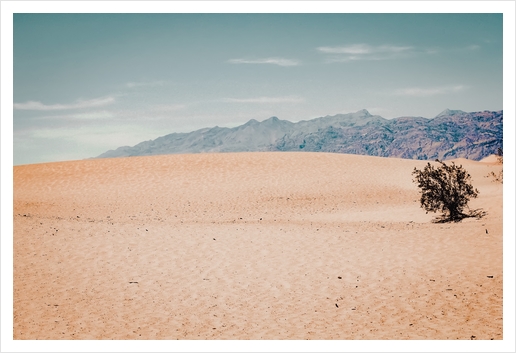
[
  {"x": 358, "y": 52},
  {"x": 34, "y": 105},
  {"x": 363, "y": 49},
  {"x": 271, "y": 61},
  {"x": 426, "y": 92},
  {"x": 289, "y": 99}
]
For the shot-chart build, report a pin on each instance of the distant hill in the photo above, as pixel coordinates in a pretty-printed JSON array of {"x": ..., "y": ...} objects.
[{"x": 451, "y": 134}]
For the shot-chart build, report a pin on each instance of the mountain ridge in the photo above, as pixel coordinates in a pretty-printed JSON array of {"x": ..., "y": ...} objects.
[{"x": 450, "y": 134}]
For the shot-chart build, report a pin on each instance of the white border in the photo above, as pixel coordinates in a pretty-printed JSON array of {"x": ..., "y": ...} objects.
[
  {"x": 258, "y": 6},
  {"x": 7, "y": 10},
  {"x": 509, "y": 207}
]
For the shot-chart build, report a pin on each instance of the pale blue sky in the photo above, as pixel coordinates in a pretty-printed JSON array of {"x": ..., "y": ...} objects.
[{"x": 86, "y": 83}]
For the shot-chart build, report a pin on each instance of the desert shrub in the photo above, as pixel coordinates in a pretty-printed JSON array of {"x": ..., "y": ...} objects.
[
  {"x": 498, "y": 178},
  {"x": 446, "y": 188}
]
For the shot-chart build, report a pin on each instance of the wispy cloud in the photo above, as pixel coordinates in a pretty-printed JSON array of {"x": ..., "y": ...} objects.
[
  {"x": 271, "y": 61},
  {"x": 428, "y": 91},
  {"x": 363, "y": 49},
  {"x": 81, "y": 104},
  {"x": 357, "y": 52},
  {"x": 289, "y": 99}
]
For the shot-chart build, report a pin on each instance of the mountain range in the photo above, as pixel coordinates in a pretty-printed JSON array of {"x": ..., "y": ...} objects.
[{"x": 451, "y": 134}]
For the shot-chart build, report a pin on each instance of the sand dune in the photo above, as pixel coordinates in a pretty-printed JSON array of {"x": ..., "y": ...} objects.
[{"x": 250, "y": 246}]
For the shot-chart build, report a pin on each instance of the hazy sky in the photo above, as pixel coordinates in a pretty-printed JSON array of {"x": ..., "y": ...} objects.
[{"x": 86, "y": 83}]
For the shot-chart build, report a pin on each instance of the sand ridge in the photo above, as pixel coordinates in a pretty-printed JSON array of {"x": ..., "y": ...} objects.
[{"x": 250, "y": 246}]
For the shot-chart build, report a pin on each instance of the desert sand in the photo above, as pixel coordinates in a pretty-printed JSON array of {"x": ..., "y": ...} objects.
[{"x": 251, "y": 246}]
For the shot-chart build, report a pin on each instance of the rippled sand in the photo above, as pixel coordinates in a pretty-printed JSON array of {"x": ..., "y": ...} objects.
[{"x": 250, "y": 246}]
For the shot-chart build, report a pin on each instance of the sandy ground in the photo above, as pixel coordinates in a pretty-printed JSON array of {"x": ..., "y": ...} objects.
[{"x": 250, "y": 246}]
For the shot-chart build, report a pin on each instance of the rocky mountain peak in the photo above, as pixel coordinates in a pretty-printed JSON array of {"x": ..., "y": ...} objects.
[
  {"x": 272, "y": 119},
  {"x": 251, "y": 122},
  {"x": 452, "y": 134},
  {"x": 364, "y": 113},
  {"x": 449, "y": 112}
]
